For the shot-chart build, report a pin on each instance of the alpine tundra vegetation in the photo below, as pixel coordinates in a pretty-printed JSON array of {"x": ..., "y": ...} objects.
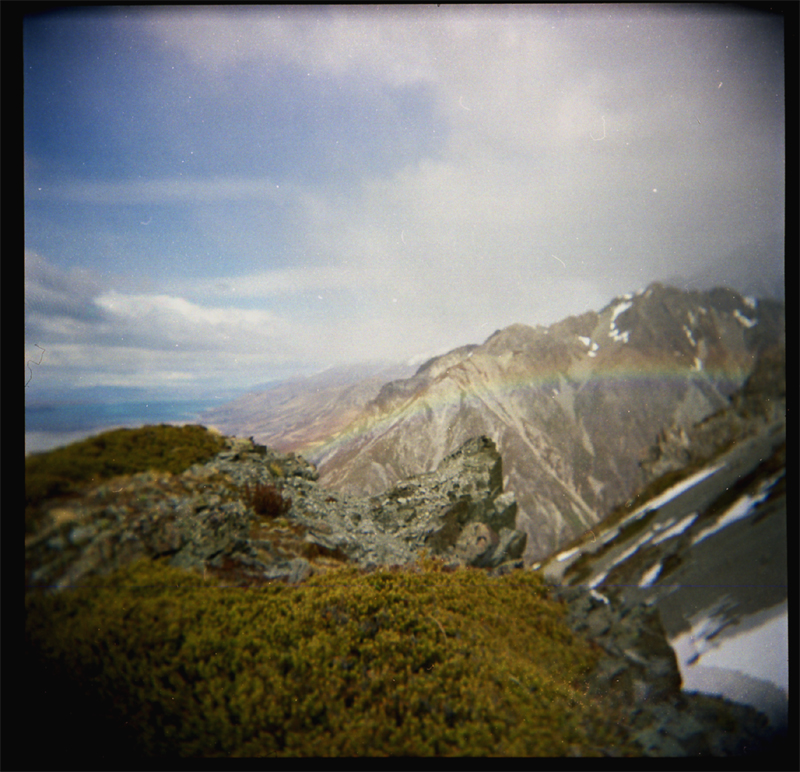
[{"x": 236, "y": 608}]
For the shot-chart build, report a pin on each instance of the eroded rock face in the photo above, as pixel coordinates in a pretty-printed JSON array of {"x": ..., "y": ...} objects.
[
  {"x": 202, "y": 519},
  {"x": 639, "y": 674}
]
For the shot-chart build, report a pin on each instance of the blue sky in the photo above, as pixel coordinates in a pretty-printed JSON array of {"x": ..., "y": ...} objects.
[{"x": 219, "y": 197}]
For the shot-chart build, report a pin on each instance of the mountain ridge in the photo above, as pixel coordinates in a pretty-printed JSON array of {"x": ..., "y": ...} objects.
[{"x": 573, "y": 407}]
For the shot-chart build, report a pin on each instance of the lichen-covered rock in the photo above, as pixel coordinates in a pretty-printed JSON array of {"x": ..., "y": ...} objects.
[
  {"x": 476, "y": 544},
  {"x": 200, "y": 519},
  {"x": 203, "y": 519}
]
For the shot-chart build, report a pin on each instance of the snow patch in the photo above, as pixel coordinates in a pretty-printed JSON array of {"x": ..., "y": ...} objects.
[
  {"x": 650, "y": 576},
  {"x": 561, "y": 557},
  {"x": 598, "y": 580},
  {"x": 689, "y": 336},
  {"x": 610, "y": 536},
  {"x": 614, "y": 333},
  {"x": 745, "y": 322},
  {"x": 676, "y": 529},
  {"x": 698, "y": 365},
  {"x": 672, "y": 492},
  {"x": 599, "y": 596},
  {"x": 756, "y": 655},
  {"x": 619, "y": 309},
  {"x": 750, "y": 302},
  {"x": 586, "y": 341},
  {"x": 741, "y": 508}
]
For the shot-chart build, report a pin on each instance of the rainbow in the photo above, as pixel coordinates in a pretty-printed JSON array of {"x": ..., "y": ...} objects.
[{"x": 497, "y": 385}]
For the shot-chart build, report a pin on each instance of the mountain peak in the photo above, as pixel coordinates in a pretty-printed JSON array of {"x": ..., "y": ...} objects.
[{"x": 572, "y": 407}]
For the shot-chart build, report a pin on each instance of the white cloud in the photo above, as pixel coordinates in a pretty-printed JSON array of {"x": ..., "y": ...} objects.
[
  {"x": 165, "y": 321},
  {"x": 440, "y": 252}
]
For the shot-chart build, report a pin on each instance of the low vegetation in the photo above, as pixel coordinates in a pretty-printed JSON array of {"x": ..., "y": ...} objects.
[
  {"x": 413, "y": 662},
  {"x": 70, "y": 469},
  {"x": 266, "y": 500}
]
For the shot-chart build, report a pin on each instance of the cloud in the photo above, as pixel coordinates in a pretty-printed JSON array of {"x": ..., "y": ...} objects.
[
  {"x": 356, "y": 183},
  {"x": 177, "y": 190},
  {"x": 88, "y": 330},
  {"x": 53, "y": 291}
]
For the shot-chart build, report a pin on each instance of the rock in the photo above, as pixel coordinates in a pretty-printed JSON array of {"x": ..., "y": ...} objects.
[
  {"x": 479, "y": 545},
  {"x": 165, "y": 539},
  {"x": 507, "y": 568},
  {"x": 640, "y": 674},
  {"x": 511, "y": 546},
  {"x": 200, "y": 519},
  {"x": 505, "y": 512},
  {"x": 292, "y": 571},
  {"x": 475, "y": 545}
]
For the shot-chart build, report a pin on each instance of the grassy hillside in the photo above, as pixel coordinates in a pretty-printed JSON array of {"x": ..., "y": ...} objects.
[
  {"x": 68, "y": 470},
  {"x": 414, "y": 662}
]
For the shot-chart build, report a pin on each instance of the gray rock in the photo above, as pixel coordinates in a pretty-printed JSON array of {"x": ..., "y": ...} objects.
[
  {"x": 505, "y": 512},
  {"x": 82, "y": 534},
  {"x": 201, "y": 519},
  {"x": 475, "y": 545},
  {"x": 511, "y": 546},
  {"x": 292, "y": 571}
]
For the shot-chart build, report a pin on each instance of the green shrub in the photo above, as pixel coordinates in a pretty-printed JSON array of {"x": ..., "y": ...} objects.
[{"x": 403, "y": 662}]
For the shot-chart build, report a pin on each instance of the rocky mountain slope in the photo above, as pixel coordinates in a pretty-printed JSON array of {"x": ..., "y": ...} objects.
[
  {"x": 705, "y": 547},
  {"x": 256, "y": 515},
  {"x": 250, "y": 516},
  {"x": 573, "y": 408}
]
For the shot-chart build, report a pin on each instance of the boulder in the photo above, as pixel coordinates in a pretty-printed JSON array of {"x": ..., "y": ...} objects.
[
  {"x": 510, "y": 546},
  {"x": 476, "y": 544}
]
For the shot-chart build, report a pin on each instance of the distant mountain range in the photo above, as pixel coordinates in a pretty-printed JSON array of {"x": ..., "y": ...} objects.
[
  {"x": 573, "y": 408},
  {"x": 300, "y": 412}
]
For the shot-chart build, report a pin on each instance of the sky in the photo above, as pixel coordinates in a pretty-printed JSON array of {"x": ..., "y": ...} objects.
[{"x": 218, "y": 197}]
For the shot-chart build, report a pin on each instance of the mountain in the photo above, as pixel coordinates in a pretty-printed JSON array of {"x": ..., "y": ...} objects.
[
  {"x": 682, "y": 549},
  {"x": 300, "y": 412},
  {"x": 572, "y": 407}
]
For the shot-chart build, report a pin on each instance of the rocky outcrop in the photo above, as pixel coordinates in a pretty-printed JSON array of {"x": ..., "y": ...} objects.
[
  {"x": 669, "y": 565},
  {"x": 639, "y": 675},
  {"x": 204, "y": 519},
  {"x": 759, "y": 403},
  {"x": 457, "y": 511}
]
